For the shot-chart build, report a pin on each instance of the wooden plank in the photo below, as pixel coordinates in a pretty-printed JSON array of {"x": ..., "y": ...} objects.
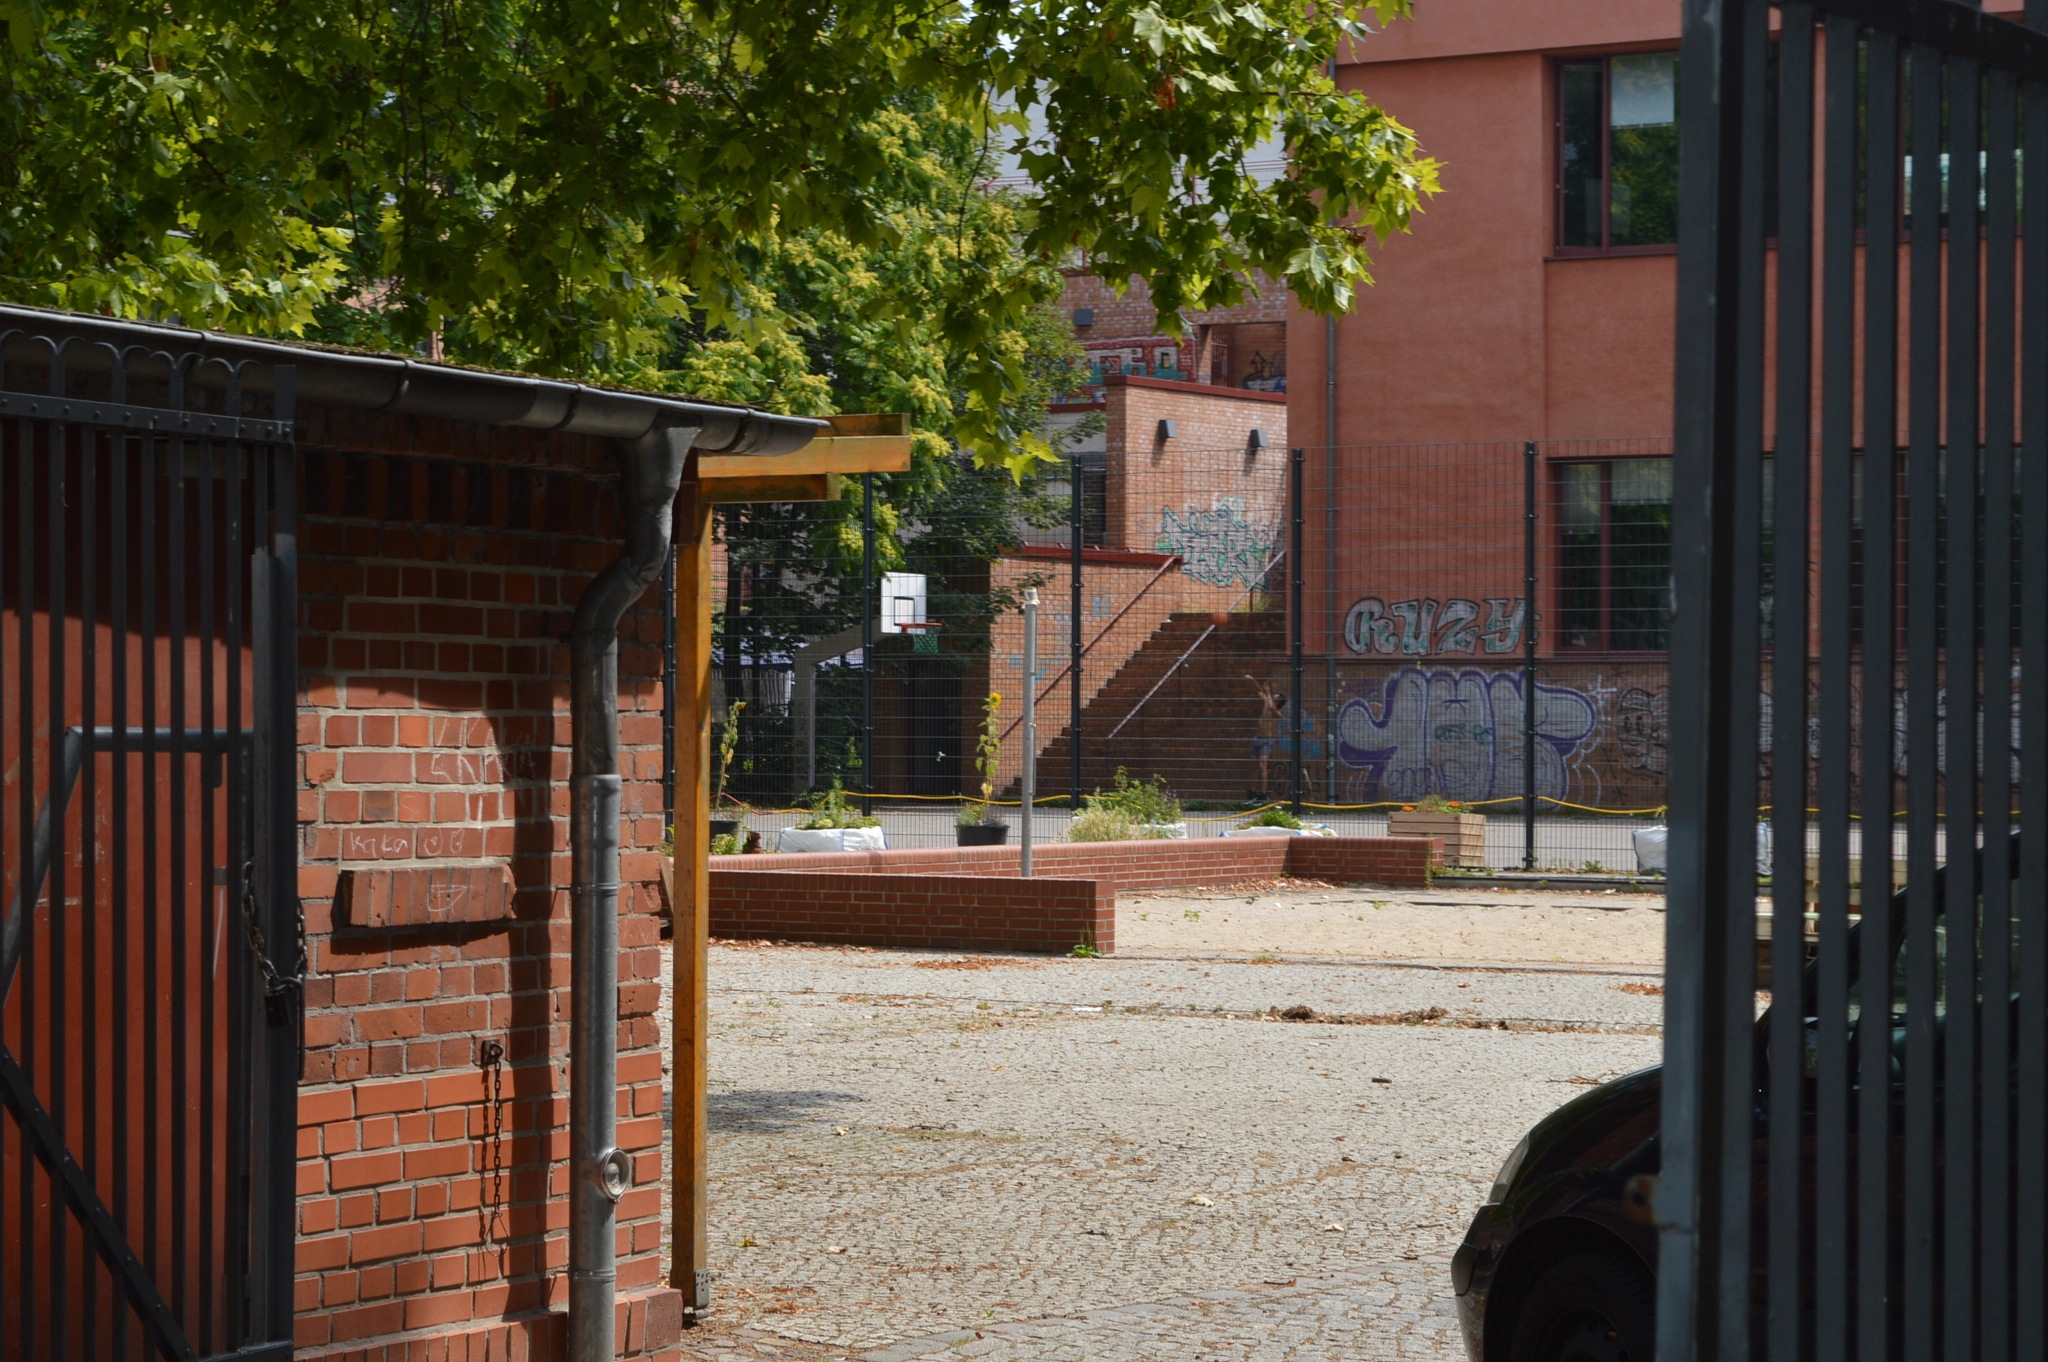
[
  {"x": 691, "y": 906},
  {"x": 790, "y": 487},
  {"x": 829, "y": 454}
]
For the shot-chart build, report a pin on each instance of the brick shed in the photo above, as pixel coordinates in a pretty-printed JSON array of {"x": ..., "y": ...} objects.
[{"x": 445, "y": 526}]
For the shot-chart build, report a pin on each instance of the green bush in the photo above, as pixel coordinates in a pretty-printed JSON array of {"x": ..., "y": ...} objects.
[
  {"x": 1096, "y": 823},
  {"x": 830, "y": 810},
  {"x": 1141, "y": 801},
  {"x": 1273, "y": 818}
]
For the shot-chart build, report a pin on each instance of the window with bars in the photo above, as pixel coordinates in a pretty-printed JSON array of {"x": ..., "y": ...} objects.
[{"x": 1614, "y": 555}]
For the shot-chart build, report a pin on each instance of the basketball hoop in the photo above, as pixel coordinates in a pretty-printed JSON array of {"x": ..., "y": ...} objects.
[{"x": 924, "y": 635}]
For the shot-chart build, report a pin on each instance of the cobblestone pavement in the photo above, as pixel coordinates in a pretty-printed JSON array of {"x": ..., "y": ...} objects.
[{"x": 1113, "y": 1159}]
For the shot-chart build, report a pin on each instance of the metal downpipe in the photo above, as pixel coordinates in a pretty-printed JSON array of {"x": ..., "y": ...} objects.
[{"x": 599, "y": 1172}]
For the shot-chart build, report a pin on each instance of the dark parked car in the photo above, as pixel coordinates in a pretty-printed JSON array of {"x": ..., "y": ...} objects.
[{"x": 1560, "y": 1263}]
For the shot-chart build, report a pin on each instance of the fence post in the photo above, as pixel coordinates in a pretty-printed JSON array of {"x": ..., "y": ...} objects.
[
  {"x": 1076, "y": 513},
  {"x": 867, "y": 642},
  {"x": 1529, "y": 655},
  {"x": 1330, "y": 625},
  {"x": 1030, "y": 778},
  {"x": 1294, "y": 624}
]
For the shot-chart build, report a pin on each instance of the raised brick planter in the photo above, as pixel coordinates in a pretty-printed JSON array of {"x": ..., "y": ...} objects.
[
  {"x": 929, "y": 912},
  {"x": 969, "y": 898}
]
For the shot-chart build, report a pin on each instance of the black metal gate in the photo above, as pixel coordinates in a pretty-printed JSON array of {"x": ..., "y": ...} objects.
[
  {"x": 1859, "y": 688},
  {"x": 149, "y": 1006}
]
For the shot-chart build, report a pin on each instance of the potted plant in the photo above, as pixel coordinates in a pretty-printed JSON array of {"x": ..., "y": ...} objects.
[
  {"x": 833, "y": 825},
  {"x": 1463, "y": 833},
  {"x": 977, "y": 824}
]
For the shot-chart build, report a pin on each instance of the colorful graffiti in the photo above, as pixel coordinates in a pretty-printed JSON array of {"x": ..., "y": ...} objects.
[
  {"x": 1424, "y": 626},
  {"x": 1218, "y": 546},
  {"x": 1457, "y": 733}
]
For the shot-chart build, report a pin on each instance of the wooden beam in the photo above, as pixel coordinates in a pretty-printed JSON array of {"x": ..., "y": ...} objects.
[
  {"x": 690, "y": 1023},
  {"x": 828, "y": 454},
  {"x": 786, "y": 487}
]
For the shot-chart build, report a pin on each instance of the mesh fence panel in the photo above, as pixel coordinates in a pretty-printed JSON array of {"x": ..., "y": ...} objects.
[{"x": 1423, "y": 677}]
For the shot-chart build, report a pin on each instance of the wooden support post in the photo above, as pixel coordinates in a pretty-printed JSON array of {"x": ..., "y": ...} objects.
[{"x": 691, "y": 1249}]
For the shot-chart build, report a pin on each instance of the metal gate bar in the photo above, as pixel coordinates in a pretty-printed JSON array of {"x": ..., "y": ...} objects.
[
  {"x": 1888, "y": 1110},
  {"x": 147, "y": 1095}
]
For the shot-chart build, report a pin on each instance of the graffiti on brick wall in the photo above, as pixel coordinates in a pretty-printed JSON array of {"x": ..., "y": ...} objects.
[
  {"x": 1220, "y": 546},
  {"x": 1641, "y": 721},
  {"x": 1457, "y": 733},
  {"x": 1424, "y": 626}
]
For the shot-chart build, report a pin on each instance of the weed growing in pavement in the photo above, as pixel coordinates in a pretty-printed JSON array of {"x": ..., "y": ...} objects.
[
  {"x": 1594, "y": 868},
  {"x": 1190, "y": 915},
  {"x": 1083, "y": 951}
]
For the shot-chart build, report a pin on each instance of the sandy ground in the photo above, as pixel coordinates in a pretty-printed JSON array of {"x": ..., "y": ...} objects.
[{"x": 1456, "y": 926}]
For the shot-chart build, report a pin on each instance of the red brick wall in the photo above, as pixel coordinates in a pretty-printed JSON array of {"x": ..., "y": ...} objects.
[
  {"x": 913, "y": 911},
  {"x": 433, "y": 733}
]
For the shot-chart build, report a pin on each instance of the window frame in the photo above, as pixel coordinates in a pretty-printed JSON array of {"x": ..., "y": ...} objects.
[
  {"x": 1558, "y": 249},
  {"x": 1561, "y": 579}
]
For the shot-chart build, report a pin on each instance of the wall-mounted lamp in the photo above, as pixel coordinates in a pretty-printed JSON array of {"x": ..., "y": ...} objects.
[
  {"x": 1084, "y": 316},
  {"x": 1167, "y": 429},
  {"x": 1256, "y": 441}
]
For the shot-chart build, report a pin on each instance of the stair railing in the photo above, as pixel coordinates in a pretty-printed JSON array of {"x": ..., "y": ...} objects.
[
  {"x": 1250, "y": 587},
  {"x": 1164, "y": 568}
]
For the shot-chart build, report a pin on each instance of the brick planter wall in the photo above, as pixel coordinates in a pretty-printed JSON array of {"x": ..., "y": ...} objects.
[
  {"x": 942, "y": 898},
  {"x": 434, "y": 733},
  {"x": 928, "y": 912}
]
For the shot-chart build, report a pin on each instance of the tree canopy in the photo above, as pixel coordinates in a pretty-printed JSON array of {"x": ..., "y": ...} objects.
[{"x": 611, "y": 189}]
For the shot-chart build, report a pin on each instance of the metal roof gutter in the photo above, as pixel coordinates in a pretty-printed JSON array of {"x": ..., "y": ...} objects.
[{"x": 394, "y": 383}]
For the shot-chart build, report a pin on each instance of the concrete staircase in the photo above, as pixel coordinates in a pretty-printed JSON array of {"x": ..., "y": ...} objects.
[{"x": 1197, "y": 727}]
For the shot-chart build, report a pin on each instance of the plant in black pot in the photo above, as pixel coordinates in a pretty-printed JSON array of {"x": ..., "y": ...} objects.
[{"x": 978, "y": 825}]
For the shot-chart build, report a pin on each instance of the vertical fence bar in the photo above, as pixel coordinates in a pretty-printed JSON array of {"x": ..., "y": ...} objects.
[
  {"x": 1029, "y": 782},
  {"x": 119, "y": 472},
  {"x": 60, "y": 966},
  {"x": 1702, "y": 1197},
  {"x": 1959, "y": 790},
  {"x": 1529, "y": 655},
  {"x": 1836, "y": 607},
  {"x": 149, "y": 1187},
  {"x": 2001, "y": 192},
  {"x": 867, "y": 643},
  {"x": 1296, "y": 757},
  {"x": 177, "y": 601},
  {"x": 212, "y": 900},
  {"x": 1789, "y": 648},
  {"x": 2030, "y": 1182},
  {"x": 1874, "y": 1210},
  {"x": 1923, "y": 681},
  {"x": 1077, "y": 513},
  {"x": 235, "y": 1242},
  {"x": 284, "y": 927},
  {"x": 25, "y": 762},
  {"x": 88, "y": 860},
  {"x": 1330, "y": 620}
]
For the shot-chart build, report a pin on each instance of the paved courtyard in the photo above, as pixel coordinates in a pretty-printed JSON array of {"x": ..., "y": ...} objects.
[{"x": 1133, "y": 1157}]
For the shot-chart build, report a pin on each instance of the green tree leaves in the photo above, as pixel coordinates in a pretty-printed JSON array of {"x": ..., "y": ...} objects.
[{"x": 551, "y": 184}]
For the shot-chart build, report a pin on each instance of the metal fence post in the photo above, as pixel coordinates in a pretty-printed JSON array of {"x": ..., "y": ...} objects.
[
  {"x": 1030, "y": 777},
  {"x": 1295, "y": 630},
  {"x": 1074, "y": 647},
  {"x": 867, "y": 642},
  {"x": 1330, "y": 625},
  {"x": 1529, "y": 655}
]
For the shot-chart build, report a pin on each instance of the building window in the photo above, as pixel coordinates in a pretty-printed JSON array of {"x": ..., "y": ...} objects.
[
  {"x": 1617, "y": 162},
  {"x": 1614, "y": 555}
]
